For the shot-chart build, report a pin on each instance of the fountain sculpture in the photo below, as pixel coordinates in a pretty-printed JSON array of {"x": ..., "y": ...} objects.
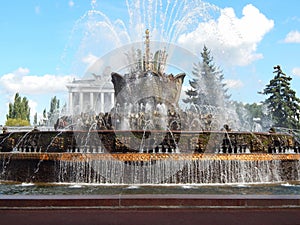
[{"x": 144, "y": 140}]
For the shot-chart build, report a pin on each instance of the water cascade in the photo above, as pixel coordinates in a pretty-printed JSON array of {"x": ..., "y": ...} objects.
[{"x": 180, "y": 170}]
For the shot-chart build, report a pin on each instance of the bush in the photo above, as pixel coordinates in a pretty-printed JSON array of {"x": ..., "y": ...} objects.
[{"x": 16, "y": 122}]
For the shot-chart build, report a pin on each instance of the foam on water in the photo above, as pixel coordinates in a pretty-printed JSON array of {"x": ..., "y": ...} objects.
[
  {"x": 133, "y": 187},
  {"x": 25, "y": 184}
]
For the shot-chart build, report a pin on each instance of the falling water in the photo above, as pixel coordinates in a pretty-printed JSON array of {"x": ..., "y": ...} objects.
[
  {"x": 170, "y": 171},
  {"x": 16, "y": 148}
]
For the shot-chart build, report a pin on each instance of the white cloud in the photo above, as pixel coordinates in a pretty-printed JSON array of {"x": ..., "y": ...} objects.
[
  {"x": 296, "y": 71},
  {"x": 90, "y": 59},
  {"x": 233, "y": 84},
  {"x": 232, "y": 40},
  {"x": 71, "y": 3},
  {"x": 292, "y": 37},
  {"x": 21, "y": 81}
]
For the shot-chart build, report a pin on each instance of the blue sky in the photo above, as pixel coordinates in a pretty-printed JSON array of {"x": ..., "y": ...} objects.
[{"x": 45, "y": 44}]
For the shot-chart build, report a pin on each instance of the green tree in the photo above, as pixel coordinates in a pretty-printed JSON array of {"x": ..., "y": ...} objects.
[
  {"x": 45, "y": 113},
  {"x": 35, "y": 119},
  {"x": 17, "y": 122},
  {"x": 54, "y": 105},
  {"x": 18, "y": 112},
  {"x": 282, "y": 101},
  {"x": 53, "y": 113},
  {"x": 255, "y": 110},
  {"x": 44, "y": 119},
  {"x": 253, "y": 116},
  {"x": 208, "y": 87}
]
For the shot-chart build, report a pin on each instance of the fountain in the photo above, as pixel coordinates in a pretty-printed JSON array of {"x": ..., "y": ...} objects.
[{"x": 145, "y": 139}]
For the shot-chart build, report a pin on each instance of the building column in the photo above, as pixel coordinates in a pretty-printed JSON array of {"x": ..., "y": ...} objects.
[
  {"x": 81, "y": 102},
  {"x": 112, "y": 99},
  {"x": 92, "y": 100},
  {"x": 102, "y": 102},
  {"x": 71, "y": 103}
]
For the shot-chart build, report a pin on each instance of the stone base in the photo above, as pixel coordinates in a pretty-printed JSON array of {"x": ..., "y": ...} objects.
[{"x": 150, "y": 209}]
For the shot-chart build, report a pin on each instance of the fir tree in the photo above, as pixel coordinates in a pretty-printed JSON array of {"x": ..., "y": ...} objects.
[
  {"x": 208, "y": 87},
  {"x": 283, "y": 104}
]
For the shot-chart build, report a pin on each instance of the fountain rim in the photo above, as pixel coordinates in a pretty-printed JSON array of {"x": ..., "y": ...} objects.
[
  {"x": 153, "y": 131},
  {"x": 147, "y": 157}
]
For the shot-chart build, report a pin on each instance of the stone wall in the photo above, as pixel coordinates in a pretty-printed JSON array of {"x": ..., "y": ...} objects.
[{"x": 148, "y": 142}]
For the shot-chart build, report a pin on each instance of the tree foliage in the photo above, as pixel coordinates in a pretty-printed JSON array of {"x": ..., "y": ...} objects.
[
  {"x": 255, "y": 110},
  {"x": 17, "y": 122},
  {"x": 282, "y": 101},
  {"x": 35, "y": 119},
  {"x": 254, "y": 116},
  {"x": 18, "y": 112},
  {"x": 208, "y": 87},
  {"x": 54, "y": 105},
  {"x": 53, "y": 113}
]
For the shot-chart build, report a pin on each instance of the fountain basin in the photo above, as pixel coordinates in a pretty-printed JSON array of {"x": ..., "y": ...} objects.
[{"x": 159, "y": 157}]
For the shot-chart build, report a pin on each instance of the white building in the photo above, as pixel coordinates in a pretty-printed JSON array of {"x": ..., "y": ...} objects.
[{"x": 90, "y": 95}]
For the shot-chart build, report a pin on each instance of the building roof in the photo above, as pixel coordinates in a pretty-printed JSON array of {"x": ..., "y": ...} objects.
[{"x": 92, "y": 83}]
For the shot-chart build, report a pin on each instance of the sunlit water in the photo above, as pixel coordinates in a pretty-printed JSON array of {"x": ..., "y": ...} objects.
[{"x": 93, "y": 189}]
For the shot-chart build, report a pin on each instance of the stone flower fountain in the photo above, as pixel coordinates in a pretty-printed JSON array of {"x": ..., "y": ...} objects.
[{"x": 144, "y": 140}]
